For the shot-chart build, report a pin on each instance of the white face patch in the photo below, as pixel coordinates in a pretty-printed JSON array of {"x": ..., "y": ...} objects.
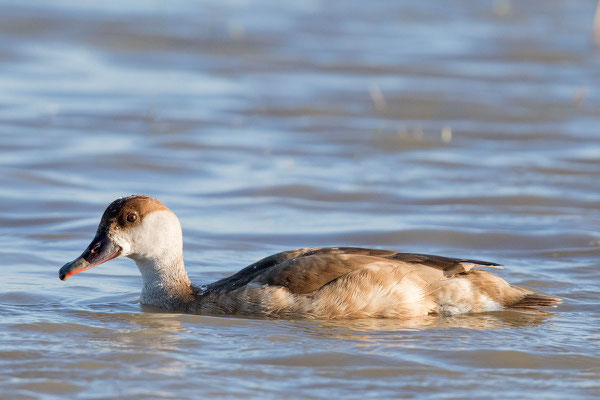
[
  {"x": 121, "y": 240},
  {"x": 158, "y": 236}
]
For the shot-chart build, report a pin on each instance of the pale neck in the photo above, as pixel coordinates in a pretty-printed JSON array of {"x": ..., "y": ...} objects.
[{"x": 165, "y": 281}]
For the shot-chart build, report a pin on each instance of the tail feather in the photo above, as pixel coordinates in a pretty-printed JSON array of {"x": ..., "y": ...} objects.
[{"x": 533, "y": 300}]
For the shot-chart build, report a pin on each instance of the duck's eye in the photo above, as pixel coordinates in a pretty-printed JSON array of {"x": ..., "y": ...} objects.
[{"x": 131, "y": 217}]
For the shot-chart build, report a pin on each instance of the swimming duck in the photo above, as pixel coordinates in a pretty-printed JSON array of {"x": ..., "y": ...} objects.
[{"x": 320, "y": 283}]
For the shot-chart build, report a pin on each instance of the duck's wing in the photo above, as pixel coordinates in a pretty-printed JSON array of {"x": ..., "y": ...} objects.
[
  {"x": 249, "y": 273},
  {"x": 306, "y": 270},
  {"x": 315, "y": 268}
]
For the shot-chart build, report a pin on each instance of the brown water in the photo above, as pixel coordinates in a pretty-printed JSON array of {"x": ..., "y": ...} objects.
[{"x": 465, "y": 129}]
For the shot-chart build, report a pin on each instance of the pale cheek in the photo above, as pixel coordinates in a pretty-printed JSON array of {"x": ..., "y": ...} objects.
[
  {"x": 144, "y": 239},
  {"x": 120, "y": 241}
]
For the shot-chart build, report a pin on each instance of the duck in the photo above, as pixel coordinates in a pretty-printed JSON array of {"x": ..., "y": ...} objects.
[{"x": 306, "y": 283}]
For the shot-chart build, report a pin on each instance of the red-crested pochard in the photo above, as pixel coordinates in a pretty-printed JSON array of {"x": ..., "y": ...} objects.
[{"x": 321, "y": 283}]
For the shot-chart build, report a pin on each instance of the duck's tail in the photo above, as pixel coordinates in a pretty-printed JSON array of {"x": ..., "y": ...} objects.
[
  {"x": 510, "y": 297},
  {"x": 533, "y": 300}
]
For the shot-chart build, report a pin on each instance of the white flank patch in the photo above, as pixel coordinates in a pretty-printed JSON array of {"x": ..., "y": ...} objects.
[
  {"x": 490, "y": 305},
  {"x": 456, "y": 297}
]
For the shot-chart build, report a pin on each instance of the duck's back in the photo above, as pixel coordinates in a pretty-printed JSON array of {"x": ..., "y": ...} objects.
[{"x": 345, "y": 282}]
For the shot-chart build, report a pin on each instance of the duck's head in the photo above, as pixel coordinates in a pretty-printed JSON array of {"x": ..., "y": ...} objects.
[{"x": 139, "y": 227}]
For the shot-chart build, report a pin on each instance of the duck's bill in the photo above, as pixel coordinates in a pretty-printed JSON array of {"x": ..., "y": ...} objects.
[{"x": 99, "y": 251}]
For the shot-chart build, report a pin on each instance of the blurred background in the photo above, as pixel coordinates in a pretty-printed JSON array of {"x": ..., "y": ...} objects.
[{"x": 467, "y": 129}]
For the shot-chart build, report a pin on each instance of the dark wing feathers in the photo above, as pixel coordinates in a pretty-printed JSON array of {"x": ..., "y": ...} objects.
[
  {"x": 450, "y": 266},
  {"x": 306, "y": 270},
  {"x": 308, "y": 273},
  {"x": 249, "y": 273}
]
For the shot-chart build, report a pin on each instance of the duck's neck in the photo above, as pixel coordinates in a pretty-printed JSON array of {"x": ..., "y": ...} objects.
[{"x": 165, "y": 282}]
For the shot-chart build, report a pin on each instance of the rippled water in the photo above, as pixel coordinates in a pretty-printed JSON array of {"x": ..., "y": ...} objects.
[{"x": 466, "y": 129}]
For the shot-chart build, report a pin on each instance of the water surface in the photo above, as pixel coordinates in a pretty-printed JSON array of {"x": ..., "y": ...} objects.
[{"x": 467, "y": 130}]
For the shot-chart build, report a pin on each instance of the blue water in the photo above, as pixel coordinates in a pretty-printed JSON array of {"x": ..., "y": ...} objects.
[{"x": 467, "y": 129}]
